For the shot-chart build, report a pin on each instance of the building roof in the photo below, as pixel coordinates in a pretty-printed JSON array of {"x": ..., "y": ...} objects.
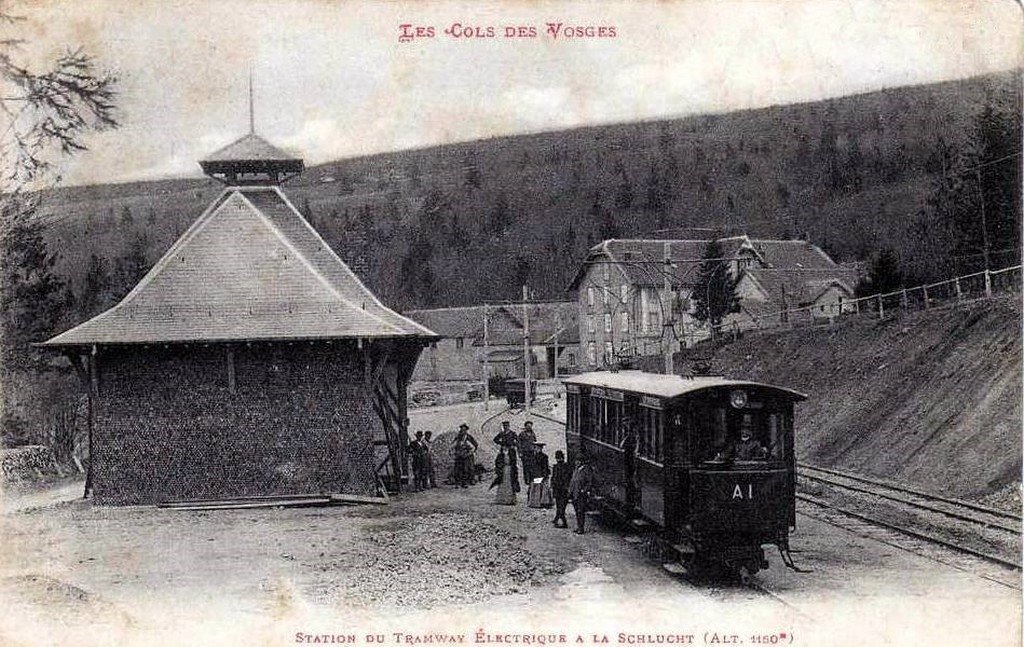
[
  {"x": 249, "y": 147},
  {"x": 665, "y": 386},
  {"x": 251, "y": 161},
  {"x": 548, "y": 321},
  {"x": 639, "y": 258},
  {"x": 464, "y": 322},
  {"x": 250, "y": 268},
  {"x": 801, "y": 287},
  {"x": 505, "y": 327}
]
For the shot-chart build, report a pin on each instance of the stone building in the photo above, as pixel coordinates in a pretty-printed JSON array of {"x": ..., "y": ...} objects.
[
  {"x": 459, "y": 353},
  {"x": 623, "y": 306},
  {"x": 249, "y": 361}
]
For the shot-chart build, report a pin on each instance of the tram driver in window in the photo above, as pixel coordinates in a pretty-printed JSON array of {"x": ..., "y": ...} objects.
[{"x": 748, "y": 448}]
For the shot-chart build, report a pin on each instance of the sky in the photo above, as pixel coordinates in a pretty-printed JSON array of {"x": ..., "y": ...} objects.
[{"x": 332, "y": 80}]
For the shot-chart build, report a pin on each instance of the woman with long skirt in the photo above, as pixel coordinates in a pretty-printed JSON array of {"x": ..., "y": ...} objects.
[{"x": 505, "y": 471}]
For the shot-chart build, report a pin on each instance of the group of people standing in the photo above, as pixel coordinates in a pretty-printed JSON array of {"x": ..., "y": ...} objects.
[
  {"x": 546, "y": 484},
  {"x": 422, "y": 452}
]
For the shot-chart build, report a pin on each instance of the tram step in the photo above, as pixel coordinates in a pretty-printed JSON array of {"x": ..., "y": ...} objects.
[
  {"x": 684, "y": 549},
  {"x": 674, "y": 567}
]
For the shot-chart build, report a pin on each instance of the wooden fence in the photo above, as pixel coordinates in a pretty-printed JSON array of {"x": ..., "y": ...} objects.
[{"x": 955, "y": 291}]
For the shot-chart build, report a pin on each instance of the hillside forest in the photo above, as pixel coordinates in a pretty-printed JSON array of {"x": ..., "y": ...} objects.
[{"x": 905, "y": 172}]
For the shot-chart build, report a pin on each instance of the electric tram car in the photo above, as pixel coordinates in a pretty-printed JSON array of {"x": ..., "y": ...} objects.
[{"x": 709, "y": 461}]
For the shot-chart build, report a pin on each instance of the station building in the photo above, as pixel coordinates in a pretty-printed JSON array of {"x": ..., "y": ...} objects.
[{"x": 249, "y": 361}]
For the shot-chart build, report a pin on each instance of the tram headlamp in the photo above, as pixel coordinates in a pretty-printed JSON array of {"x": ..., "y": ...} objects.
[{"x": 738, "y": 398}]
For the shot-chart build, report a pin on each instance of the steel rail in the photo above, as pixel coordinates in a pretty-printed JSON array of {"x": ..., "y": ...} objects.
[
  {"x": 916, "y": 504},
  {"x": 901, "y": 488},
  {"x": 912, "y": 533}
]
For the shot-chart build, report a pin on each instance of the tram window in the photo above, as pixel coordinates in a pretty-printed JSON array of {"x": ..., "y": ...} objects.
[
  {"x": 725, "y": 435},
  {"x": 650, "y": 435},
  {"x": 614, "y": 423},
  {"x": 595, "y": 417},
  {"x": 643, "y": 434},
  {"x": 776, "y": 437}
]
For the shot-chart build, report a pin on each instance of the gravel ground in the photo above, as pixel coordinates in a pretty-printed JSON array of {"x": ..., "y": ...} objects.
[
  {"x": 1008, "y": 499},
  {"x": 437, "y": 559}
]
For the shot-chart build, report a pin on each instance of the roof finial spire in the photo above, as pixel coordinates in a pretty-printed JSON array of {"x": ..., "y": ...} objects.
[{"x": 252, "y": 118}]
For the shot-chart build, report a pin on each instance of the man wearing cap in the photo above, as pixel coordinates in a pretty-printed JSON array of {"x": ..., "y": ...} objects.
[
  {"x": 463, "y": 448},
  {"x": 418, "y": 451},
  {"x": 581, "y": 488},
  {"x": 561, "y": 473},
  {"x": 527, "y": 449},
  {"x": 507, "y": 440}
]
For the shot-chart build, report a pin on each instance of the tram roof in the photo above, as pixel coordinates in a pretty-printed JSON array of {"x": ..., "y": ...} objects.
[{"x": 666, "y": 386}]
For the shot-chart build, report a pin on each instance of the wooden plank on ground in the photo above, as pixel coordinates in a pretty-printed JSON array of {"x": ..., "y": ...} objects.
[
  {"x": 242, "y": 505},
  {"x": 242, "y": 499},
  {"x": 358, "y": 498}
]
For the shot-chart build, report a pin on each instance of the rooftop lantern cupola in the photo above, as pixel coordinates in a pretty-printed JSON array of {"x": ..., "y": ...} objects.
[{"x": 251, "y": 160}]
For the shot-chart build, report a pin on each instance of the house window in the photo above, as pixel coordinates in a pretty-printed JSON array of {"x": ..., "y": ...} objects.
[
  {"x": 592, "y": 353},
  {"x": 608, "y": 352},
  {"x": 605, "y": 267},
  {"x": 606, "y": 298},
  {"x": 607, "y": 323},
  {"x": 590, "y": 324},
  {"x": 458, "y": 342},
  {"x": 590, "y": 297},
  {"x": 570, "y": 359},
  {"x": 650, "y": 311},
  {"x": 625, "y": 322},
  {"x": 624, "y": 293}
]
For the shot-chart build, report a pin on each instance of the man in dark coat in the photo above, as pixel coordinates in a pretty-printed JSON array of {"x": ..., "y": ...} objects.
[
  {"x": 581, "y": 488},
  {"x": 418, "y": 451},
  {"x": 463, "y": 448},
  {"x": 507, "y": 439},
  {"x": 428, "y": 443},
  {"x": 561, "y": 474},
  {"x": 527, "y": 448}
]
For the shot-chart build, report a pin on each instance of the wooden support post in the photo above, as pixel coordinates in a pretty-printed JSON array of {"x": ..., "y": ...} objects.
[
  {"x": 988, "y": 283},
  {"x": 881, "y": 308},
  {"x": 94, "y": 371},
  {"x": 925, "y": 297},
  {"x": 94, "y": 390},
  {"x": 856, "y": 305},
  {"x": 231, "y": 369},
  {"x": 903, "y": 299},
  {"x": 959, "y": 295}
]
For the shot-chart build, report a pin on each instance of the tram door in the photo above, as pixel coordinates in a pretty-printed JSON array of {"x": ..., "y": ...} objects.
[{"x": 677, "y": 465}]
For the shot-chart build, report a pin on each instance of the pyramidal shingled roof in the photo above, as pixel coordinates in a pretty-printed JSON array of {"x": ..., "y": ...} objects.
[
  {"x": 249, "y": 147},
  {"x": 250, "y": 268}
]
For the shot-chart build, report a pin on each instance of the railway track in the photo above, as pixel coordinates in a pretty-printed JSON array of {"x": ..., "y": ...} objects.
[
  {"x": 957, "y": 509},
  {"x": 911, "y": 532}
]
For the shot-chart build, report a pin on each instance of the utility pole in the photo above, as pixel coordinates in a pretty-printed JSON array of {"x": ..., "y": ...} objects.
[
  {"x": 667, "y": 324},
  {"x": 526, "y": 352},
  {"x": 984, "y": 226},
  {"x": 558, "y": 331},
  {"x": 487, "y": 365}
]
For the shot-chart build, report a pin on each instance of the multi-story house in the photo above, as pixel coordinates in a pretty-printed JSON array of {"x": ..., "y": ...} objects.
[{"x": 625, "y": 309}]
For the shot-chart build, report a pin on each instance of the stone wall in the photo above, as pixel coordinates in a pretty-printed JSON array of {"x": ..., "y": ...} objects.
[{"x": 168, "y": 427}]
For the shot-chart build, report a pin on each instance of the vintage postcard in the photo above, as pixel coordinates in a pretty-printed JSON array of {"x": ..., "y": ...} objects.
[{"x": 510, "y": 323}]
